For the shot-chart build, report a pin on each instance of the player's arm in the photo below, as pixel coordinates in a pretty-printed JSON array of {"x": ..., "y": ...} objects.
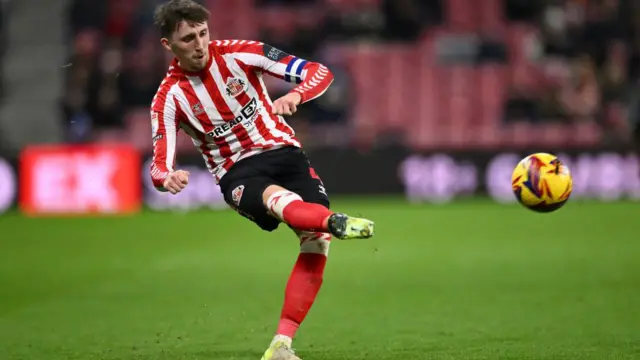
[
  {"x": 164, "y": 127},
  {"x": 313, "y": 78}
]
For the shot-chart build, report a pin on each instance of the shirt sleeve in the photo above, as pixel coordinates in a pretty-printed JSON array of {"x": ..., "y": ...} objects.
[
  {"x": 164, "y": 129},
  {"x": 313, "y": 78}
]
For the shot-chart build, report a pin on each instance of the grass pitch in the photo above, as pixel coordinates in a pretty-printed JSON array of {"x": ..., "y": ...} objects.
[{"x": 463, "y": 281}]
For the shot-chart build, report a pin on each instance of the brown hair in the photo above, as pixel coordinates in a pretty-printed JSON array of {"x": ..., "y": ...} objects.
[{"x": 170, "y": 14}]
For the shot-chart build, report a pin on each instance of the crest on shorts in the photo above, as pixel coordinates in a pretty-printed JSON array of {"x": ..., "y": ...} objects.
[
  {"x": 235, "y": 86},
  {"x": 236, "y": 195}
]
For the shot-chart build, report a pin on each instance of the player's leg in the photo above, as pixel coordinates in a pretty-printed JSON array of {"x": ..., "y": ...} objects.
[
  {"x": 301, "y": 290},
  {"x": 290, "y": 208},
  {"x": 307, "y": 275}
]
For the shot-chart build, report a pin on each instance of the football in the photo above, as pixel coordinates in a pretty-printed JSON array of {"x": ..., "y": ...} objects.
[{"x": 541, "y": 182}]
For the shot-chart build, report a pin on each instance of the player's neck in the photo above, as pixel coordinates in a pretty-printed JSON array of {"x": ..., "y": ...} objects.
[{"x": 190, "y": 69}]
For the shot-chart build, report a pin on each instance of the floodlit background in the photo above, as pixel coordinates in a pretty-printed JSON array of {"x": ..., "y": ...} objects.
[{"x": 433, "y": 104}]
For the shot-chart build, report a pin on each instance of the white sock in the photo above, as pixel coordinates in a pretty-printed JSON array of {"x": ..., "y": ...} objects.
[
  {"x": 283, "y": 338},
  {"x": 279, "y": 200}
]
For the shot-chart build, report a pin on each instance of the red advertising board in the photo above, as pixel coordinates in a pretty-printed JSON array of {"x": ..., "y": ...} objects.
[{"x": 72, "y": 180}]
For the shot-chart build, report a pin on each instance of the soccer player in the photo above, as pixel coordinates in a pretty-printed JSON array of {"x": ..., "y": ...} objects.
[{"x": 214, "y": 92}]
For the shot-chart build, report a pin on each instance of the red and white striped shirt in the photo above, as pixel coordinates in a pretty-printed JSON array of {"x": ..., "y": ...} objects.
[{"x": 225, "y": 108}]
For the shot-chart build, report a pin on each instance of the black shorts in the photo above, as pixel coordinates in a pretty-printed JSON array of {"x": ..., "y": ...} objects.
[{"x": 288, "y": 167}]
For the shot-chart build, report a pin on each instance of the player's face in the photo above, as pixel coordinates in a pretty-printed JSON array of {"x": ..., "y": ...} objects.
[{"x": 190, "y": 44}]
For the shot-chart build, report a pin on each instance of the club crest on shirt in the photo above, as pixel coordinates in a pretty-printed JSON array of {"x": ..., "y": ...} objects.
[
  {"x": 197, "y": 109},
  {"x": 236, "y": 195},
  {"x": 235, "y": 86}
]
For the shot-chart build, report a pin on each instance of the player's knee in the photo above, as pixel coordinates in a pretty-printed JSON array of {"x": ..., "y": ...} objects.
[
  {"x": 314, "y": 242},
  {"x": 278, "y": 200},
  {"x": 269, "y": 191}
]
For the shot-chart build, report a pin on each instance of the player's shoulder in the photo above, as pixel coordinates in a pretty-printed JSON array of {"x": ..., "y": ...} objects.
[
  {"x": 170, "y": 82},
  {"x": 235, "y": 45},
  {"x": 243, "y": 47}
]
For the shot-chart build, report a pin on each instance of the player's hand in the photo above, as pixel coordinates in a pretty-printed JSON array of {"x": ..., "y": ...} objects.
[
  {"x": 176, "y": 181},
  {"x": 288, "y": 104}
]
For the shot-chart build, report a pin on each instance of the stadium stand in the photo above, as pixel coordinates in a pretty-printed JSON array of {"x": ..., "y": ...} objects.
[{"x": 454, "y": 74}]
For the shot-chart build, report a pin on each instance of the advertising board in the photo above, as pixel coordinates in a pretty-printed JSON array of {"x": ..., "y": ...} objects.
[
  {"x": 8, "y": 185},
  {"x": 70, "y": 179},
  {"x": 601, "y": 175},
  {"x": 115, "y": 179}
]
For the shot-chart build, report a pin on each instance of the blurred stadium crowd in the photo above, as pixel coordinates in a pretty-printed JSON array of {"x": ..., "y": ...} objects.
[
  {"x": 424, "y": 73},
  {"x": 3, "y": 34}
]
